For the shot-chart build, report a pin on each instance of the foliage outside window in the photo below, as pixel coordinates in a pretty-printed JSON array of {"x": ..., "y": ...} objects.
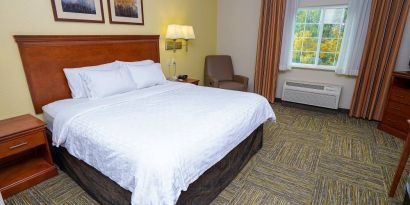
[{"x": 318, "y": 37}]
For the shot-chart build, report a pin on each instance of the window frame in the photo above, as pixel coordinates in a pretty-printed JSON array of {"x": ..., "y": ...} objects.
[{"x": 316, "y": 66}]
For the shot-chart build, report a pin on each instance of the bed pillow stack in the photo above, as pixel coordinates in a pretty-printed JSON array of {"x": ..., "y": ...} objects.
[
  {"x": 113, "y": 78},
  {"x": 147, "y": 76},
  {"x": 75, "y": 82},
  {"x": 100, "y": 84}
]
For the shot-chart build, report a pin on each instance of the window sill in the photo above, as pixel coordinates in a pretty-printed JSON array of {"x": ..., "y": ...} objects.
[{"x": 314, "y": 67}]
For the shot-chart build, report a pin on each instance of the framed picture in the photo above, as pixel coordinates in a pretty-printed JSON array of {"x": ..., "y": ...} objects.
[
  {"x": 78, "y": 10},
  {"x": 126, "y": 11}
]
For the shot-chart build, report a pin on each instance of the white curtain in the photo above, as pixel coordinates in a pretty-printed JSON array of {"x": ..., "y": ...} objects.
[
  {"x": 288, "y": 31},
  {"x": 354, "y": 37}
]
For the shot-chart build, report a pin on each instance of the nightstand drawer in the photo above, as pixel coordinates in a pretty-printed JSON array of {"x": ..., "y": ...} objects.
[
  {"x": 20, "y": 144},
  {"x": 399, "y": 109},
  {"x": 396, "y": 121},
  {"x": 400, "y": 95}
]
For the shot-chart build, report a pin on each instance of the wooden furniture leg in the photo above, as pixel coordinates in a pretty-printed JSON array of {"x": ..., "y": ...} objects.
[{"x": 402, "y": 164}]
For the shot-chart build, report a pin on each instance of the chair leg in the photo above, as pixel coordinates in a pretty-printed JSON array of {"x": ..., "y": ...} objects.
[{"x": 400, "y": 168}]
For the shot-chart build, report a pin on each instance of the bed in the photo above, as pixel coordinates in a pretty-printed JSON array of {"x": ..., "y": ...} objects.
[{"x": 171, "y": 156}]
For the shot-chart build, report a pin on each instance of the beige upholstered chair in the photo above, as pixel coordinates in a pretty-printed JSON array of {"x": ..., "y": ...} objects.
[{"x": 219, "y": 73}]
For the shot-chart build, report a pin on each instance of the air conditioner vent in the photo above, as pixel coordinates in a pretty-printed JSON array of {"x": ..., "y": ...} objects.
[
  {"x": 316, "y": 94},
  {"x": 305, "y": 85}
]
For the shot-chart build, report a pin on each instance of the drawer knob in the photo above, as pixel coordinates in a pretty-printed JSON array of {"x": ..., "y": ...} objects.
[{"x": 18, "y": 145}]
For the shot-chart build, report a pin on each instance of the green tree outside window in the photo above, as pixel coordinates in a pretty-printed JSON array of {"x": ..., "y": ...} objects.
[{"x": 318, "y": 35}]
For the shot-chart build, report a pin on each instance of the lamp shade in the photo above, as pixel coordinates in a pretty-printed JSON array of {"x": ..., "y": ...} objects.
[
  {"x": 174, "y": 32},
  {"x": 188, "y": 32}
]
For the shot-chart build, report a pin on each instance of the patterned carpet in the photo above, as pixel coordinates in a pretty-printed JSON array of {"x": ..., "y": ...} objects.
[{"x": 308, "y": 157}]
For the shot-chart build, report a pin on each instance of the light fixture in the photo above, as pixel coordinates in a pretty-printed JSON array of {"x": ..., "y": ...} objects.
[
  {"x": 188, "y": 33},
  {"x": 174, "y": 32}
]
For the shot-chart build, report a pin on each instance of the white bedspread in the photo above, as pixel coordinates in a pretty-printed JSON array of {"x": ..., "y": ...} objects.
[{"x": 154, "y": 142}]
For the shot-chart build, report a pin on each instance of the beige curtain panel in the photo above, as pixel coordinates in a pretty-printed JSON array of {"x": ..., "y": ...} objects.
[
  {"x": 386, "y": 26},
  {"x": 269, "y": 47}
]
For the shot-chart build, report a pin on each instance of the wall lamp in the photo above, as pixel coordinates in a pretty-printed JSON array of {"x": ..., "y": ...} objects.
[{"x": 176, "y": 32}]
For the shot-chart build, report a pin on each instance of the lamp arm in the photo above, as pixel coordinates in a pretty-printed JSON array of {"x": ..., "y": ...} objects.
[{"x": 175, "y": 70}]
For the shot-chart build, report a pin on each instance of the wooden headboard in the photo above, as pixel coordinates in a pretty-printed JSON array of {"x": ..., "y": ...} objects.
[{"x": 44, "y": 58}]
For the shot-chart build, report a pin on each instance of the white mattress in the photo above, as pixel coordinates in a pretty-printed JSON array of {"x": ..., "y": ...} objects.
[
  {"x": 50, "y": 110},
  {"x": 156, "y": 141}
]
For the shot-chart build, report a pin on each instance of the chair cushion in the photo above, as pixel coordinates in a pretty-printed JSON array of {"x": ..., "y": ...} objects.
[
  {"x": 231, "y": 85},
  {"x": 219, "y": 67}
]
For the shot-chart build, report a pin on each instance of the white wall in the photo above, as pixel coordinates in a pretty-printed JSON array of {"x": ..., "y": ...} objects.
[{"x": 238, "y": 33}]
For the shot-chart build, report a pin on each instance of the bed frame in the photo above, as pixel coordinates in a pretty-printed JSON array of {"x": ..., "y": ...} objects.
[
  {"x": 201, "y": 192},
  {"x": 44, "y": 58}
]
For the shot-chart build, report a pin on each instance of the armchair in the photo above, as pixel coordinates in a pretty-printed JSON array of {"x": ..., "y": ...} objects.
[{"x": 219, "y": 74}]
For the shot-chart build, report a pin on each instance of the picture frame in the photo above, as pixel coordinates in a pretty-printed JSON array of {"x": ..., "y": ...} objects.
[
  {"x": 126, "y": 12},
  {"x": 90, "y": 11}
]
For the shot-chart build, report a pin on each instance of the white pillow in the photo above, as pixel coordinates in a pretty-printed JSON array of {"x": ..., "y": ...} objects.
[
  {"x": 135, "y": 63},
  {"x": 105, "y": 83},
  {"x": 74, "y": 80},
  {"x": 148, "y": 75}
]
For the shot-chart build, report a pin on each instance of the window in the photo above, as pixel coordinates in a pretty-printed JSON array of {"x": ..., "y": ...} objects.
[{"x": 318, "y": 37}]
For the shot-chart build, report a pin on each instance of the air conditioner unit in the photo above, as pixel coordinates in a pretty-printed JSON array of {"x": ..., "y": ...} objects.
[{"x": 316, "y": 94}]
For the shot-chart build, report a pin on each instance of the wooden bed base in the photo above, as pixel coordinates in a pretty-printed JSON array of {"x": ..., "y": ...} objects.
[{"x": 202, "y": 191}]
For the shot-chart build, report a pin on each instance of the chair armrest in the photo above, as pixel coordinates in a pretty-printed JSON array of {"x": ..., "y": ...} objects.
[
  {"x": 211, "y": 81},
  {"x": 241, "y": 79}
]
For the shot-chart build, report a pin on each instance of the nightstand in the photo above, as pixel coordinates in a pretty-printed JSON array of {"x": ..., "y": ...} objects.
[
  {"x": 25, "y": 157},
  {"x": 189, "y": 80}
]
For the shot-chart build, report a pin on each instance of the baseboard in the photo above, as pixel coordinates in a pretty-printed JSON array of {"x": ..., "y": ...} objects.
[{"x": 310, "y": 107}]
